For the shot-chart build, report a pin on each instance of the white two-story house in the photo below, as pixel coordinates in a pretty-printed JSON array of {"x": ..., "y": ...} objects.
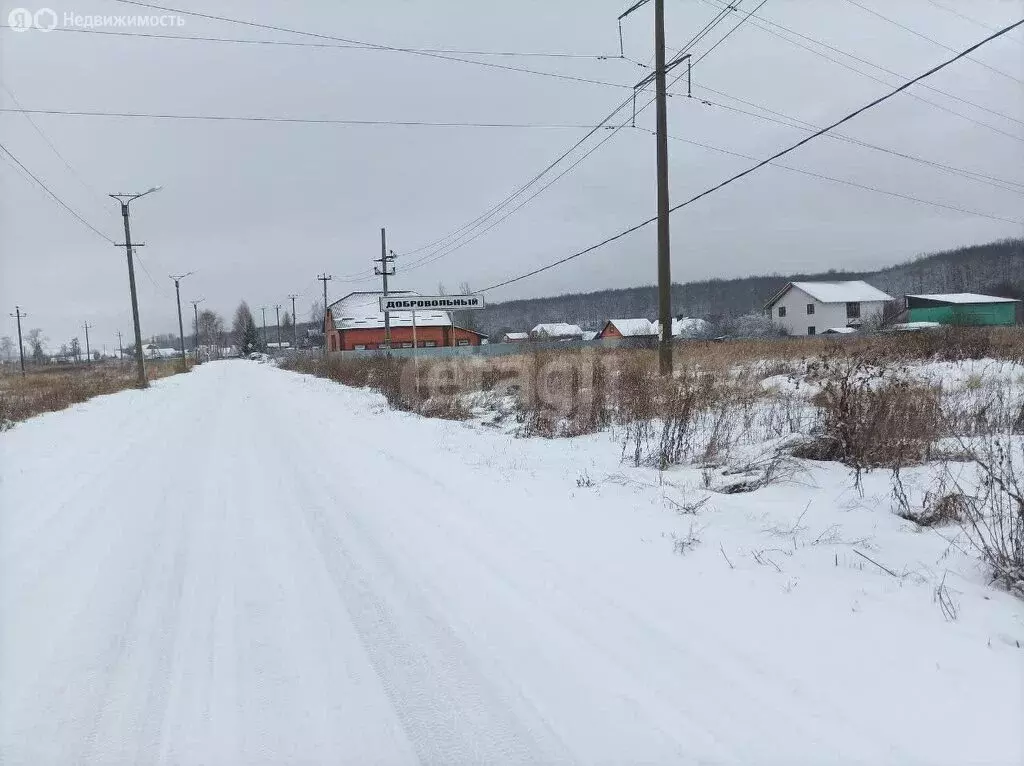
[{"x": 811, "y": 308}]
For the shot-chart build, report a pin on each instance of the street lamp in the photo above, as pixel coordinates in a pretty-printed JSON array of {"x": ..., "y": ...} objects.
[{"x": 126, "y": 200}]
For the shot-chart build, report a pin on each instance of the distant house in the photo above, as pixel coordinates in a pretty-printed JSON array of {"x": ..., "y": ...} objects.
[
  {"x": 556, "y": 331},
  {"x": 628, "y": 328},
  {"x": 807, "y": 308},
  {"x": 152, "y": 351},
  {"x": 515, "y": 337},
  {"x": 278, "y": 346},
  {"x": 685, "y": 327},
  {"x": 961, "y": 309}
]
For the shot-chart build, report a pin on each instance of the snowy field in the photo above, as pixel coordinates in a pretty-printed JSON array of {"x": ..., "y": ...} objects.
[{"x": 246, "y": 565}]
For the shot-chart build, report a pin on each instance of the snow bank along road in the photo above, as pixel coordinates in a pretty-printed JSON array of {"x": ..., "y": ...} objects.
[{"x": 246, "y": 566}]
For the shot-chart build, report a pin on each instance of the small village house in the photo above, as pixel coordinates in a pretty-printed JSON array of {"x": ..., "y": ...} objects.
[
  {"x": 808, "y": 308},
  {"x": 515, "y": 337},
  {"x": 628, "y": 328},
  {"x": 356, "y": 323},
  {"x": 961, "y": 309},
  {"x": 685, "y": 327},
  {"x": 556, "y": 331}
]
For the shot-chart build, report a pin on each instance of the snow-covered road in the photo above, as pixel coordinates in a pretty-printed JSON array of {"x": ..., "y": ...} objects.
[{"x": 249, "y": 566}]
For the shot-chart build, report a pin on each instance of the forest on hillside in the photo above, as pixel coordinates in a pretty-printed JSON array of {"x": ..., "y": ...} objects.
[{"x": 995, "y": 268}]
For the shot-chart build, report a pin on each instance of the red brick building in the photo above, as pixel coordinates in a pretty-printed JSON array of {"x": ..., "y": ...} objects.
[{"x": 356, "y": 323}]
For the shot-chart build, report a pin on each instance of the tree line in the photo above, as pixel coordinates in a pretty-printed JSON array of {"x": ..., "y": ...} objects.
[{"x": 995, "y": 268}]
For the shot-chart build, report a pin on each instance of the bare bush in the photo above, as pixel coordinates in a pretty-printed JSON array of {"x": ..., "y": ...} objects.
[
  {"x": 48, "y": 391},
  {"x": 871, "y": 415},
  {"x": 994, "y": 513}
]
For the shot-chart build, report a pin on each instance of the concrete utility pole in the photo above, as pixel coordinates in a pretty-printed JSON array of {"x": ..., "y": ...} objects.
[
  {"x": 277, "y": 311},
  {"x": 325, "y": 278},
  {"x": 126, "y": 200},
  {"x": 664, "y": 253},
  {"x": 21, "y": 347},
  {"x": 295, "y": 324},
  {"x": 661, "y": 141},
  {"x": 181, "y": 327},
  {"x": 120, "y": 348},
  {"x": 263, "y": 310},
  {"x": 195, "y": 312},
  {"x": 88, "y": 353},
  {"x": 383, "y": 271}
]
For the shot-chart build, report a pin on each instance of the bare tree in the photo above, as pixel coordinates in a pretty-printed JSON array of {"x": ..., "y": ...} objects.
[
  {"x": 211, "y": 329},
  {"x": 316, "y": 313},
  {"x": 466, "y": 319},
  {"x": 76, "y": 349},
  {"x": 35, "y": 342},
  {"x": 7, "y": 346}
]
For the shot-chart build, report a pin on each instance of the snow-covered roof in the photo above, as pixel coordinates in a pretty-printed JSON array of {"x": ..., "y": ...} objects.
[
  {"x": 517, "y": 336},
  {"x": 631, "y": 328},
  {"x": 684, "y": 327},
  {"x": 284, "y": 344},
  {"x": 911, "y": 326},
  {"x": 558, "y": 330},
  {"x": 852, "y": 291},
  {"x": 362, "y": 310},
  {"x": 589, "y": 335},
  {"x": 964, "y": 298},
  {"x": 839, "y": 331}
]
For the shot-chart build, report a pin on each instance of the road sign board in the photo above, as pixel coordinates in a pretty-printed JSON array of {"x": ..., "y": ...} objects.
[{"x": 431, "y": 302}]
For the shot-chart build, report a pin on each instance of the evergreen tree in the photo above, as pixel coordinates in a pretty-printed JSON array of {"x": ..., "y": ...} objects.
[{"x": 246, "y": 336}]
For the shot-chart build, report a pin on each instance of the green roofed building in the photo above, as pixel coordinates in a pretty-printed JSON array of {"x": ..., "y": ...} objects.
[{"x": 962, "y": 309}]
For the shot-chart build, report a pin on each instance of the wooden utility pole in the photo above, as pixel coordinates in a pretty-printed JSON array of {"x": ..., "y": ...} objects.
[
  {"x": 181, "y": 326},
  {"x": 120, "y": 348},
  {"x": 661, "y": 141},
  {"x": 664, "y": 252},
  {"x": 325, "y": 278},
  {"x": 140, "y": 361},
  {"x": 21, "y": 348},
  {"x": 263, "y": 310},
  {"x": 277, "y": 310},
  {"x": 295, "y": 324},
  {"x": 195, "y": 312},
  {"x": 88, "y": 353},
  {"x": 384, "y": 271}
]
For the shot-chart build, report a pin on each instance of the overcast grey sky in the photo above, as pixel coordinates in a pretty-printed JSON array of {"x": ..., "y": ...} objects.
[{"x": 259, "y": 209}]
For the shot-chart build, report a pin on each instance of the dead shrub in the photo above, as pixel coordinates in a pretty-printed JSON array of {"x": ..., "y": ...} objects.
[
  {"x": 49, "y": 391},
  {"x": 993, "y": 516},
  {"x": 949, "y": 508},
  {"x": 870, "y": 417}
]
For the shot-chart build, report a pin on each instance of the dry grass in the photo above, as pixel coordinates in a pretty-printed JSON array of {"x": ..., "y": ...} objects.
[{"x": 48, "y": 390}]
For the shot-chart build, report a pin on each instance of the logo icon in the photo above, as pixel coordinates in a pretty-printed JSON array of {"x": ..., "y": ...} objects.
[
  {"x": 45, "y": 19},
  {"x": 20, "y": 19}
]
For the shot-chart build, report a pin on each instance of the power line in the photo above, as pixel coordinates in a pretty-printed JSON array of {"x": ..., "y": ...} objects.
[
  {"x": 724, "y": 37},
  {"x": 457, "y": 234},
  {"x": 374, "y": 46},
  {"x": 758, "y": 165},
  {"x": 301, "y": 120},
  {"x": 970, "y": 19},
  {"x": 761, "y": 22},
  {"x": 932, "y": 40},
  {"x": 340, "y": 46},
  {"x": 798, "y": 124},
  {"x": 55, "y": 198},
  {"x": 847, "y": 182},
  {"x": 42, "y": 134}
]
